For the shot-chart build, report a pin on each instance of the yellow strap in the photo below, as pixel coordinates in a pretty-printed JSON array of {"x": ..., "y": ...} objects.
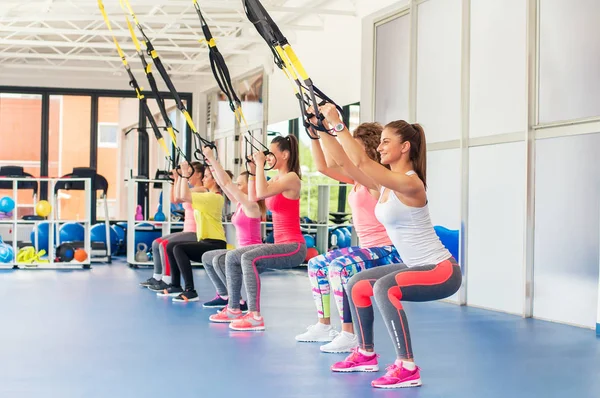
[
  {"x": 189, "y": 120},
  {"x": 172, "y": 134},
  {"x": 133, "y": 36},
  {"x": 296, "y": 62}
]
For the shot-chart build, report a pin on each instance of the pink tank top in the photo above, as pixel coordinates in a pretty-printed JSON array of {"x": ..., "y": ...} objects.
[
  {"x": 189, "y": 224},
  {"x": 247, "y": 229},
  {"x": 286, "y": 219},
  {"x": 370, "y": 231}
]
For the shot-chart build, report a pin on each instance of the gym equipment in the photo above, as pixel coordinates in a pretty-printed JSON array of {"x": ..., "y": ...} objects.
[
  {"x": 98, "y": 235},
  {"x": 310, "y": 240},
  {"x": 310, "y": 253},
  {"x": 80, "y": 255},
  {"x": 138, "y": 213},
  {"x": 72, "y": 232},
  {"x": 6, "y": 216},
  {"x": 43, "y": 235},
  {"x": 100, "y": 250},
  {"x": 28, "y": 256},
  {"x": 6, "y": 253},
  {"x": 159, "y": 216},
  {"x": 65, "y": 252},
  {"x": 7, "y": 205},
  {"x": 450, "y": 238},
  {"x": 142, "y": 253},
  {"x": 43, "y": 208}
]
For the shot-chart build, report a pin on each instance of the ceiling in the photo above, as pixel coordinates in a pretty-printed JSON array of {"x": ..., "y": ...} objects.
[{"x": 71, "y": 36}]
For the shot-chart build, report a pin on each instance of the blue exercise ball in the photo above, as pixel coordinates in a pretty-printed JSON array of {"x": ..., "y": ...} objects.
[
  {"x": 7, "y": 204},
  {"x": 6, "y": 253},
  {"x": 98, "y": 234},
  {"x": 72, "y": 232},
  {"x": 348, "y": 236},
  {"x": 450, "y": 239},
  {"x": 146, "y": 233},
  {"x": 310, "y": 241},
  {"x": 43, "y": 231}
]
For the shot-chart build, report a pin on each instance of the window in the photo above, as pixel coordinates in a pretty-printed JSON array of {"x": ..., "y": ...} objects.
[{"x": 107, "y": 135}]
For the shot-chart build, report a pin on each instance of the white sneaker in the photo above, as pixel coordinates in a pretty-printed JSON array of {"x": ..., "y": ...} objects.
[
  {"x": 343, "y": 342},
  {"x": 318, "y": 333}
]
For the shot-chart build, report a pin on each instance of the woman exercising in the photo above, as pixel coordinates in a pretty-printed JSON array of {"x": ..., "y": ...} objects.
[
  {"x": 210, "y": 235},
  {"x": 246, "y": 219},
  {"x": 282, "y": 197},
  {"x": 159, "y": 282},
  {"x": 337, "y": 266},
  {"x": 429, "y": 272}
]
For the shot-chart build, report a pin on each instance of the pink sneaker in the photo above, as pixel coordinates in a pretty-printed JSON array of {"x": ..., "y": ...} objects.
[
  {"x": 248, "y": 322},
  {"x": 225, "y": 316},
  {"x": 357, "y": 362},
  {"x": 398, "y": 377}
]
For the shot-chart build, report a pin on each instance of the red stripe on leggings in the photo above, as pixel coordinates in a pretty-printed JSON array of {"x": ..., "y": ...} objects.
[
  {"x": 164, "y": 243},
  {"x": 256, "y": 271}
]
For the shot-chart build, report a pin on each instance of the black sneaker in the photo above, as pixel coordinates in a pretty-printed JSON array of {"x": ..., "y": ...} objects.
[
  {"x": 149, "y": 282},
  {"x": 158, "y": 286},
  {"x": 171, "y": 291},
  {"x": 188, "y": 295},
  {"x": 217, "y": 302}
]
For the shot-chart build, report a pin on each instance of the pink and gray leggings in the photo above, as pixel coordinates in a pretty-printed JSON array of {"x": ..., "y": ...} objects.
[{"x": 244, "y": 265}]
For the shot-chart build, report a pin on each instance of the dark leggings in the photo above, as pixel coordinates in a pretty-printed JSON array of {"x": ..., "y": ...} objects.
[
  {"x": 184, "y": 253},
  {"x": 392, "y": 284}
]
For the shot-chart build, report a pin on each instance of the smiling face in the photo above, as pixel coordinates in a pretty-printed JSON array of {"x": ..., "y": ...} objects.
[{"x": 391, "y": 147}]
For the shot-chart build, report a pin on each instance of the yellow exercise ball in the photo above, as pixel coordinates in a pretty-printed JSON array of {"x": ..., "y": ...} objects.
[{"x": 43, "y": 208}]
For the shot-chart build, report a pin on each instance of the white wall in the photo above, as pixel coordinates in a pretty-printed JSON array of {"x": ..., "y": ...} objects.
[{"x": 525, "y": 191}]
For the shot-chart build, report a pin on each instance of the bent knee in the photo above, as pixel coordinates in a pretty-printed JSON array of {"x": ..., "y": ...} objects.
[{"x": 361, "y": 291}]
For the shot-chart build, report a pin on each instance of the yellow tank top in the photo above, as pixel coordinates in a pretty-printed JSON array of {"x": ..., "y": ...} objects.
[{"x": 208, "y": 212}]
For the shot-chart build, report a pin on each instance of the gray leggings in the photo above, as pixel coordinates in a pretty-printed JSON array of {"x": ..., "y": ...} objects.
[
  {"x": 244, "y": 264},
  {"x": 390, "y": 285},
  {"x": 214, "y": 264},
  {"x": 159, "y": 256}
]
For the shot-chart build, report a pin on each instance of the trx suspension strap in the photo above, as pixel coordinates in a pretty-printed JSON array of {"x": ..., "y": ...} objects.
[
  {"x": 159, "y": 100},
  {"x": 287, "y": 60},
  {"x": 223, "y": 78},
  {"x": 201, "y": 142},
  {"x": 138, "y": 90}
]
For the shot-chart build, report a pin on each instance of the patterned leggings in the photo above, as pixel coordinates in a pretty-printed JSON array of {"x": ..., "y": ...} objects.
[{"x": 336, "y": 267}]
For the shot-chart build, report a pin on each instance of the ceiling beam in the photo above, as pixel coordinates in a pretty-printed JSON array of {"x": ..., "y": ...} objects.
[{"x": 111, "y": 71}]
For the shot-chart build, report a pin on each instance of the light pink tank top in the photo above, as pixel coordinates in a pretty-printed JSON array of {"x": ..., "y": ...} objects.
[
  {"x": 370, "y": 231},
  {"x": 189, "y": 224},
  {"x": 247, "y": 229}
]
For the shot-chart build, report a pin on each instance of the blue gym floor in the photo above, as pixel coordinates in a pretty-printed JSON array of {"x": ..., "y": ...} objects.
[{"x": 98, "y": 334}]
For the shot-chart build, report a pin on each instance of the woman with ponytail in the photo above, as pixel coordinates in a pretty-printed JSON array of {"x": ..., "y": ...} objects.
[
  {"x": 246, "y": 220},
  {"x": 282, "y": 197},
  {"x": 428, "y": 272}
]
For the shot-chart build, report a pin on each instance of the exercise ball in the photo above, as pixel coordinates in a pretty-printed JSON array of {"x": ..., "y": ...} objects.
[
  {"x": 348, "y": 236},
  {"x": 72, "y": 232},
  {"x": 80, "y": 255},
  {"x": 43, "y": 208},
  {"x": 310, "y": 253},
  {"x": 310, "y": 240},
  {"x": 6, "y": 253},
  {"x": 7, "y": 204},
  {"x": 449, "y": 238},
  {"x": 43, "y": 231},
  {"x": 146, "y": 233},
  {"x": 340, "y": 240},
  {"x": 98, "y": 234}
]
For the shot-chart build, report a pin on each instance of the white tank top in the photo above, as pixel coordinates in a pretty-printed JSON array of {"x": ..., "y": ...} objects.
[{"x": 411, "y": 231}]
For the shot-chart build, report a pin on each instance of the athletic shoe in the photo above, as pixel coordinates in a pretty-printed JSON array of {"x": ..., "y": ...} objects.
[
  {"x": 343, "y": 342},
  {"x": 171, "y": 291},
  {"x": 318, "y": 333},
  {"x": 159, "y": 286},
  {"x": 248, "y": 322},
  {"x": 243, "y": 307},
  {"x": 357, "y": 362},
  {"x": 398, "y": 377},
  {"x": 188, "y": 295},
  {"x": 225, "y": 316},
  {"x": 217, "y": 302},
  {"x": 149, "y": 282}
]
